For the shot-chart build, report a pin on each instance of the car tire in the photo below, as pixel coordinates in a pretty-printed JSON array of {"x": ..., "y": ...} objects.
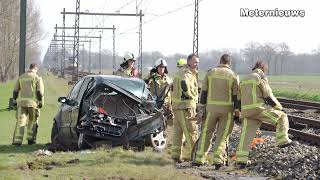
[
  {"x": 55, "y": 144},
  {"x": 84, "y": 142},
  {"x": 158, "y": 141}
]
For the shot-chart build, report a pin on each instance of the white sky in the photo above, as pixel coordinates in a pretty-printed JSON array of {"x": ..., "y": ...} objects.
[{"x": 220, "y": 24}]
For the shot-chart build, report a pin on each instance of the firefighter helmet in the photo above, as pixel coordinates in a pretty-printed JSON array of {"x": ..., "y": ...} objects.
[{"x": 181, "y": 62}]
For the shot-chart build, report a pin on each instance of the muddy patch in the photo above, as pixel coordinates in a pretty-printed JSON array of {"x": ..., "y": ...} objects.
[{"x": 46, "y": 165}]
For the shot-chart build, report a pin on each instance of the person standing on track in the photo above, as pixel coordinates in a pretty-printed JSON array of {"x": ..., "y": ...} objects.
[
  {"x": 258, "y": 105},
  {"x": 219, "y": 92}
]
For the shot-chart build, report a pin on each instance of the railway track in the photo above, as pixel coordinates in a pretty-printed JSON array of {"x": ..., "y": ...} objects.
[
  {"x": 301, "y": 105},
  {"x": 297, "y": 123},
  {"x": 297, "y": 134}
]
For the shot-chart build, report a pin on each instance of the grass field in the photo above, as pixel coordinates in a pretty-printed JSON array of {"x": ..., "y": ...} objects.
[
  {"x": 21, "y": 163},
  {"x": 296, "y": 87}
]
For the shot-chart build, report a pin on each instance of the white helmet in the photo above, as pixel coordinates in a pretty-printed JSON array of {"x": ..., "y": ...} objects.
[
  {"x": 160, "y": 61},
  {"x": 128, "y": 56}
]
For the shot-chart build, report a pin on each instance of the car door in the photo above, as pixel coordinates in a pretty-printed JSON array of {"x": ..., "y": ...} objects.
[
  {"x": 66, "y": 111},
  {"x": 74, "y": 115}
]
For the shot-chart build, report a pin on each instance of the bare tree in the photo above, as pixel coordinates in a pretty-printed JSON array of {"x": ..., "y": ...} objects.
[{"x": 9, "y": 36}]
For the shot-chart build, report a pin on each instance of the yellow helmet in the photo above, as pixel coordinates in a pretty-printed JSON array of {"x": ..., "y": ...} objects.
[{"x": 181, "y": 62}]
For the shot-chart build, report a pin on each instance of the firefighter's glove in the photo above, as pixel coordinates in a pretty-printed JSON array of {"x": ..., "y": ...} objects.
[
  {"x": 14, "y": 104},
  {"x": 236, "y": 116},
  {"x": 278, "y": 107},
  {"x": 40, "y": 104}
]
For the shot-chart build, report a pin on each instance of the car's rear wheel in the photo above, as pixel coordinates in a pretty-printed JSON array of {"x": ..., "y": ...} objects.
[{"x": 158, "y": 141}]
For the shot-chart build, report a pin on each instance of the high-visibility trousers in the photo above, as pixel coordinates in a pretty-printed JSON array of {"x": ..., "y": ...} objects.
[
  {"x": 184, "y": 124},
  {"x": 250, "y": 125},
  {"x": 26, "y": 116},
  {"x": 223, "y": 124}
]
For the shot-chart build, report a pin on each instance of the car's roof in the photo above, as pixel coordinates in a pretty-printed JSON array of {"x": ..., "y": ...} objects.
[{"x": 100, "y": 78}]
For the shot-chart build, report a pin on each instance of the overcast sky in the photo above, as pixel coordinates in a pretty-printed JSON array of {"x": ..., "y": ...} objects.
[{"x": 220, "y": 24}]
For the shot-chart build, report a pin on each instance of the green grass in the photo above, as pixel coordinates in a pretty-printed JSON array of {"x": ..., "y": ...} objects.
[
  {"x": 296, "y": 87},
  {"x": 21, "y": 163},
  {"x": 295, "y": 78},
  {"x": 311, "y": 95}
]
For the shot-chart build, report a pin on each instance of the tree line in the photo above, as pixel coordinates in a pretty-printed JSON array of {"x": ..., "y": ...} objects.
[
  {"x": 278, "y": 56},
  {"x": 10, "y": 35}
]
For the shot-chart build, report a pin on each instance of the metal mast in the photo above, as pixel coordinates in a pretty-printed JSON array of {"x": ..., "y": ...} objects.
[
  {"x": 140, "y": 44},
  {"x": 196, "y": 27},
  {"x": 76, "y": 43}
]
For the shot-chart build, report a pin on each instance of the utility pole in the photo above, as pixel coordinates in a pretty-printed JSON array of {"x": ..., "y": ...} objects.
[
  {"x": 140, "y": 45},
  {"x": 196, "y": 28},
  {"x": 114, "y": 50},
  {"x": 63, "y": 43},
  {"x": 75, "y": 72},
  {"x": 100, "y": 64},
  {"x": 119, "y": 14},
  {"x": 82, "y": 58},
  {"x": 22, "y": 45},
  {"x": 57, "y": 57},
  {"x": 90, "y": 56}
]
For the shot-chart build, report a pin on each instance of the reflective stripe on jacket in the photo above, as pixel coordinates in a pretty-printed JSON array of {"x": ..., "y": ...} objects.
[
  {"x": 27, "y": 85},
  {"x": 220, "y": 84},
  {"x": 159, "y": 86},
  {"x": 185, "y": 89},
  {"x": 254, "y": 89}
]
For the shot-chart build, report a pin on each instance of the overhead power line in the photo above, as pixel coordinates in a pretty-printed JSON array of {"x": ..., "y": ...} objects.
[{"x": 158, "y": 16}]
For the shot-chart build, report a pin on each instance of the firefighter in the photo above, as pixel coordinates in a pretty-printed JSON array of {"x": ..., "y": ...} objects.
[
  {"x": 184, "y": 102},
  {"x": 29, "y": 87},
  {"x": 160, "y": 87},
  {"x": 127, "y": 67},
  {"x": 258, "y": 105},
  {"x": 181, "y": 63},
  {"x": 219, "y": 96}
]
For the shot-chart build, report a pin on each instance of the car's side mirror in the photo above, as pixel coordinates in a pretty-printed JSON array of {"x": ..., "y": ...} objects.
[
  {"x": 62, "y": 100},
  {"x": 69, "y": 102}
]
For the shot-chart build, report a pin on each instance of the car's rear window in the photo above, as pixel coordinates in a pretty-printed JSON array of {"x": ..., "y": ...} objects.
[{"x": 136, "y": 87}]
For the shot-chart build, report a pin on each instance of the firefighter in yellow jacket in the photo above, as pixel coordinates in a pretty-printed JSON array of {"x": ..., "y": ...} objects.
[
  {"x": 160, "y": 87},
  {"x": 184, "y": 102},
  {"x": 219, "y": 96},
  {"x": 258, "y": 105},
  {"x": 127, "y": 67},
  {"x": 30, "y": 90}
]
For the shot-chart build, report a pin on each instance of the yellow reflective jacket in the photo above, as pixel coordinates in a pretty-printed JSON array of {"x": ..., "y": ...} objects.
[
  {"x": 185, "y": 89},
  {"x": 128, "y": 72},
  {"x": 27, "y": 85},
  {"x": 159, "y": 86},
  {"x": 220, "y": 86},
  {"x": 254, "y": 90}
]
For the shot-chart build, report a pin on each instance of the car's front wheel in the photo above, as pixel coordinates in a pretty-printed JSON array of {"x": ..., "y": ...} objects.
[{"x": 158, "y": 141}]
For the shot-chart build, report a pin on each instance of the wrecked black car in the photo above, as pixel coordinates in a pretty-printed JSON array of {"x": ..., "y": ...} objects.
[{"x": 108, "y": 110}]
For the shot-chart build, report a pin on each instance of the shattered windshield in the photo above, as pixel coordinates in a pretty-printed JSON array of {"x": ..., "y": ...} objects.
[{"x": 134, "y": 86}]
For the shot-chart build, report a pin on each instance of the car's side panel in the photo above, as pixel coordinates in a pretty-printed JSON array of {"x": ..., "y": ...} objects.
[
  {"x": 74, "y": 115},
  {"x": 66, "y": 115}
]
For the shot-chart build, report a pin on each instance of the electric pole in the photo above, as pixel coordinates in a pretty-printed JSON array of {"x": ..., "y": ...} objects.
[
  {"x": 196, "y": 28},
  {"x": 23, "y": 27}
]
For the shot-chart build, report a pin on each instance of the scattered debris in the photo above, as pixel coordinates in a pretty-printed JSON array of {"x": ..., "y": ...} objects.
[{"x": 42, "y": 152}]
